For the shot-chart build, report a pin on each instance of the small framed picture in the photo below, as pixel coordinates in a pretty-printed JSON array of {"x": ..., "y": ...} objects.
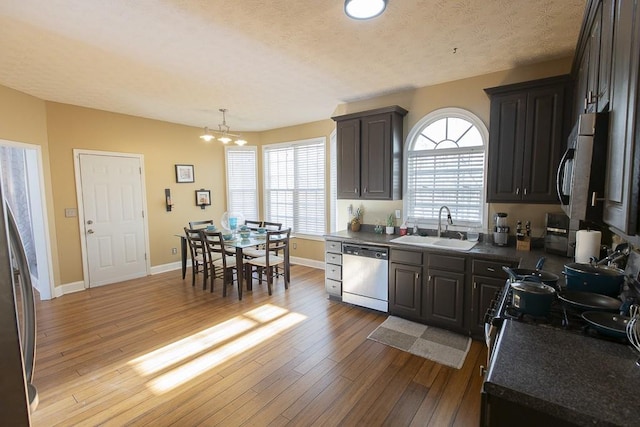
[
  {"x": 184, "y": 173},
  {"x": 203, "y": 198}
]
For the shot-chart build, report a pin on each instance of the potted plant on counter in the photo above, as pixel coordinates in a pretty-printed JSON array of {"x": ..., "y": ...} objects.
[
  {"x": 356, "y": 221},
  {"x": 391, "y": 222}
]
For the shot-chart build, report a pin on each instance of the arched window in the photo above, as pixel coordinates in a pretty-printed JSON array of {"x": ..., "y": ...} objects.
[{"x": 445, "y": 166}]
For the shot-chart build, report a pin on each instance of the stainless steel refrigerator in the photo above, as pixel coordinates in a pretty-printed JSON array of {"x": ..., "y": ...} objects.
[{"x": 18, "y": 396}]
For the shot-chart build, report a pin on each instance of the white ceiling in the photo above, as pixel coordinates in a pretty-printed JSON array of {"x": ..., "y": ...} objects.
[{"x": 272, "y": 63}]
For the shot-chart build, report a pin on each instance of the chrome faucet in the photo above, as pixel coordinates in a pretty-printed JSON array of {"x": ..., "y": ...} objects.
[{"x": 449, "y": 220}]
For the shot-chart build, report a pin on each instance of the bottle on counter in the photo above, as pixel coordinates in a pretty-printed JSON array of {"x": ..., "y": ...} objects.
[{"x": 403, "y": 229}]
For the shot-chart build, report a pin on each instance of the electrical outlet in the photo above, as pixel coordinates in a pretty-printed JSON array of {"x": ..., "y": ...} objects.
[
  {"x": 295, "y": 246},
  {"x": 397, "y": 213},
  {"x": 174, "y": 251}
]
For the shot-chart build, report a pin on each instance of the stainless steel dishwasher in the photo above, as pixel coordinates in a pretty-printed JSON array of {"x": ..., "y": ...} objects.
[{"x": 365, "y": 276}]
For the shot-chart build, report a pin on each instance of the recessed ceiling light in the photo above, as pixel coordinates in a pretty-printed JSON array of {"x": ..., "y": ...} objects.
[{"x": 364, "y": 9}]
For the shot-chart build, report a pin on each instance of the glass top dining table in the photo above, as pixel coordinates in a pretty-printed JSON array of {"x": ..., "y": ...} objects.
[{"x": 238, "y": 243}]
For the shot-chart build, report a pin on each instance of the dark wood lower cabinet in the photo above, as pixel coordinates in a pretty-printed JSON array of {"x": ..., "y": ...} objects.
[
  {"x": 483, "y": 290},
  {"x": 405, "y": 291},
  {"x": 444, "y": 299}
]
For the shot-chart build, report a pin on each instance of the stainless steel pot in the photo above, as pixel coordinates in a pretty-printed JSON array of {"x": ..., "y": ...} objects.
[
  {"x": 594, "y": 278},
  {"x": 532, "y": 297}
]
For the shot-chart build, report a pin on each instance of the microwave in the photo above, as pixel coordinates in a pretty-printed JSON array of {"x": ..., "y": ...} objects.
[{"x": 581, "y": 173}]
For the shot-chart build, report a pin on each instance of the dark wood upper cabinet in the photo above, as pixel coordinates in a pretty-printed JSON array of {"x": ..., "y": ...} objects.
[
  {"x": 527, "y": 135},
  {"x": 369, "y": 161}
]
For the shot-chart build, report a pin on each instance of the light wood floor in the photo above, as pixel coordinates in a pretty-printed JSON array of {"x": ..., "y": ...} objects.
[{"x": 157, "y": 351}]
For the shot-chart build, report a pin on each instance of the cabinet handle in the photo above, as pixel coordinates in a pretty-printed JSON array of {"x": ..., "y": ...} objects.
[
  {"x": 365, "y": 189},
  {"x": 591, "y": 98},
  {"x": 491, "y": 269},
  {"x": 429, "y": 278},
  {"x": 475, "y": 285},
  {"x": 517, "y": 191},
  {"x": 525, "y": 191},
  {"x": 595, "y": 199},
  {"x": 355, "y": 190}
]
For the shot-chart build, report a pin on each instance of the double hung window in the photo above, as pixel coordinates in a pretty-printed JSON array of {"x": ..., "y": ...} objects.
[
  {"x": 445, "y": 166},
  {"x": 242, "y": 181}
]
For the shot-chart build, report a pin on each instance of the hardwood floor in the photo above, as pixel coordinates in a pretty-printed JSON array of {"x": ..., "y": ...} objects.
[{"x": 157, "y": 351}]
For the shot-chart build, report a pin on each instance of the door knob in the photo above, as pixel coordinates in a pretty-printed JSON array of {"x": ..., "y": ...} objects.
[
  {"x": 89, "y": 231},
  {"x": 89, "y": 222}
]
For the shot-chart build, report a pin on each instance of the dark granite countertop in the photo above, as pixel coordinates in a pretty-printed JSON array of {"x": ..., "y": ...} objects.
[
  {"x": 581, "y": 379},
  {"x": 526, "y": 259}
]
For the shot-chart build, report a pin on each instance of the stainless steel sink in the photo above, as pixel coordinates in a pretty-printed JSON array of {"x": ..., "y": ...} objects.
[{"x": 435, "y": 242}]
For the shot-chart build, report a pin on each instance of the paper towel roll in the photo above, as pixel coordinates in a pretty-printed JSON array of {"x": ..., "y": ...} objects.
[{"x": 587, "y": 245}]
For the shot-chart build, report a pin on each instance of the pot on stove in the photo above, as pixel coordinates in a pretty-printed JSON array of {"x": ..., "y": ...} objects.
[{"x": 532, "y": 297}]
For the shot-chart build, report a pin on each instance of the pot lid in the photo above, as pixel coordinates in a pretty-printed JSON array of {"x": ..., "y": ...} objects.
[
  {"x": 596, "y": 270},
  {"x": 533, "y": 287}
]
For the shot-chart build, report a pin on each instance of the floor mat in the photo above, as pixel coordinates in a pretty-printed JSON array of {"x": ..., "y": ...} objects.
[{"x": 439, "y": 345}]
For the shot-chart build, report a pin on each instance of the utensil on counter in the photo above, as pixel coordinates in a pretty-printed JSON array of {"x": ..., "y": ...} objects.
[
  {"x": 633, "y": 328},
  {"x": 609, "y": 324},
  {"x": 534, "y": 298},
  {"x": 593, "y": 278},
  {"x": 588, "y": 301}
]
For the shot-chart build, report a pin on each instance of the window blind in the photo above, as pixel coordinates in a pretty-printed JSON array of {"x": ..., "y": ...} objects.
[
  {"x": 455, "y": 179},
  {"x": 242, "y": 186},
  {"x": 294, "y": 185}
]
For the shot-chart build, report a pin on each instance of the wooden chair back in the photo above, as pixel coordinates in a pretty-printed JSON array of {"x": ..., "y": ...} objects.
[
  {"x": 253, "y": 225},
  {"x": 272, "y": 225},
  {"x": 200, "y": 224}
]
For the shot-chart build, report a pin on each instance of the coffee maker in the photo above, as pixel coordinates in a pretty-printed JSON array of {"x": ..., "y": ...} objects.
[{"x": 501, "y": 229}]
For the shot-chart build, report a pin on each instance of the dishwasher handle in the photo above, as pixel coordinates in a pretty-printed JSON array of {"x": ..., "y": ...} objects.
[{"x": 376, "y": 252}]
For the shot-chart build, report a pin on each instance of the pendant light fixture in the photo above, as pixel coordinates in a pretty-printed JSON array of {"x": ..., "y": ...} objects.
[
  {"x": 222, "y": 134},
  {"x": 364, "y": 9}
]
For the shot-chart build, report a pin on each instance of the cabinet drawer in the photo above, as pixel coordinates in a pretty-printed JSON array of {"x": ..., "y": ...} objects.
[
  {"x": 447, "y": 262},
  {"x": 331, "y": 258},
  {"x": 333, "y": 272},
  {"x": 406, "y": 257},
  {"x": 333, "y": 246},
  {"x": 333, "y": 287},
  {"x": 490, "y": 268}
]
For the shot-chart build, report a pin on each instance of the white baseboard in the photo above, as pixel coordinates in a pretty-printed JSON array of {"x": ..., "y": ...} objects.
[{"x": 70, "y": 288}]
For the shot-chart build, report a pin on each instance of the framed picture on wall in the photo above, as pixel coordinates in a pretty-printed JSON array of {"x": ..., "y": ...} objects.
[
  {"x": 203, "y": 198},
  {"x": 184, "y": 173}
]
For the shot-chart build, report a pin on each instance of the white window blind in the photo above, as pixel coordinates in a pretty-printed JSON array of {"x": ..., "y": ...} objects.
[
  {"x": 242, "y": 185},
  {"x": 445, "y": 166},
  {"x": 294, "y": 185},
  {"x": 333, "y": 179}
]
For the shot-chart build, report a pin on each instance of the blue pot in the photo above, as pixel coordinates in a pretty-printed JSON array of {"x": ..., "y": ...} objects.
[{"x": 598, "y": 279}]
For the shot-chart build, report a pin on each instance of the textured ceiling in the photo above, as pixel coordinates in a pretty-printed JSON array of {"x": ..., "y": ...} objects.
[{"x": 271, "y": 63}]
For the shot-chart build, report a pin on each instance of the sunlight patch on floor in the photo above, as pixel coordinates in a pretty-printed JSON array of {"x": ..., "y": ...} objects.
[{"x": 249, "y": 329}]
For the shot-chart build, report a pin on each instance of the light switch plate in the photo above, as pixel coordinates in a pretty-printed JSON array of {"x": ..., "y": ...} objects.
[
  {"x": 70, "y": 212},
  {"x": 397, "y": 213}
]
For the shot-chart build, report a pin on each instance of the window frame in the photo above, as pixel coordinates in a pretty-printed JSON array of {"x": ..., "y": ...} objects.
[
  {"x": 254, "y": 149},
  {"x": 414, "y": 133},
  {"x": 322, "y": 167}
]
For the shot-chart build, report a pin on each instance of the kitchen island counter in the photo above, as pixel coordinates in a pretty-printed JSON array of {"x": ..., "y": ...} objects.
[{"x": 571, "y": 377}]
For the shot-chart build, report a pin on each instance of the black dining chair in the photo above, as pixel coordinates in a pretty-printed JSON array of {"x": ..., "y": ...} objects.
[
  {"x": 276, "y": 254},
  {"x": 200, "y": 224},
  {"x": 253, "y": 225},
  {"x": 198, "y": 256},
  {"x": 219, "y": 262}
]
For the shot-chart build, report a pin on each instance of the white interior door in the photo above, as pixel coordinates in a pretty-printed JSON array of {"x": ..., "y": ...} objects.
[{"x": 113, "y": 215}]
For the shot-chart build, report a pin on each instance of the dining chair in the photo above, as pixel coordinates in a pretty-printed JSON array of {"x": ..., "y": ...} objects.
[
  {"x": 198, "y": 257},
  {"x": 219, "y": 262},
  {"x": 200, "y": 224},
  {"x": 272, "y": 225},
  {"x": 253, "y": 225},
  {"x": 277, "y": 242}
]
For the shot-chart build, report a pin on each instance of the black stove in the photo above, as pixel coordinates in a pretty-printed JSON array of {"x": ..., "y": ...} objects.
[{"x": 560, "y": 316}]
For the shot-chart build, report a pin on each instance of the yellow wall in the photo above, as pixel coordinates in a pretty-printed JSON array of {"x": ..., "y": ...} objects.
[
  {"x": 59, "y": 128},
  {"x": 163, "y": 145},
  {"x": 23, "y": 119}
]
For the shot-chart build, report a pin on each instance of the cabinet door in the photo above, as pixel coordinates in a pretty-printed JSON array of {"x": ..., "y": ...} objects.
[
  {"x": 376, "y": 157},
  {"x": 444, "y": 299},
  {"x": 348, "y": 159},
  {"x": 405, "y": 290},
  {"x": 621, "y": 184},
  {"x": 594, "y": 61},
  {"x": 544, "y": 143},
  {"x": 483, "y": 290},
  {"x": 607, "y": 14},
  {"x": 506, "y": 136},
  {"x": 582, "y": 82}
]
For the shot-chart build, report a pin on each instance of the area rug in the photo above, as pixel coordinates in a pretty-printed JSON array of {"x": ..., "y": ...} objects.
[{"x": 444, "y": 347}]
